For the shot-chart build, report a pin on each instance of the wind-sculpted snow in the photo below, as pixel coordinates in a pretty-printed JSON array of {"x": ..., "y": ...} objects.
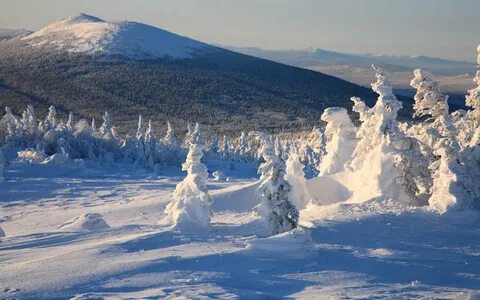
[
  {"x": 86, "y": 222},
  {"x": 91, "y": 35},
  {"x": 371, "y": 249}
]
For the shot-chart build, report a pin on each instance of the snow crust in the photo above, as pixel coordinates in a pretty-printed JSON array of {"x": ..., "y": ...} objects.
[{"x": 92, "y": 35}]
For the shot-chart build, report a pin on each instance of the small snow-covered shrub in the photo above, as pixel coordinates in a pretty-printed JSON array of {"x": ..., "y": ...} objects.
[
  {"x": 218, "y": 176},
  {"x": 31, "y": 156}
]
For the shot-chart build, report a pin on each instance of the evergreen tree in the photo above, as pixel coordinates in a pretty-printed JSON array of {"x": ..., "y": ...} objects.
[
  {"x": 341, "y": 140},
  {"x": 452, "y": 185},
  {"x": 190, "y": 206},
  {"x": 275, "y": 207},
  {"x": 295, "y": 176}
]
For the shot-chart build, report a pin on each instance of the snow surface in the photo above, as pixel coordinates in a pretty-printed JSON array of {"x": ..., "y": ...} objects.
[
  {"x": 377, "y": 248},
  {"x": 91, "y": 35}
]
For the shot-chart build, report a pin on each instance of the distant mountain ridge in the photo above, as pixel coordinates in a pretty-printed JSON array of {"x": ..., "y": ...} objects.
[
  {"x": 87, "y": 65},
  {"x": 317, "y": 56}
]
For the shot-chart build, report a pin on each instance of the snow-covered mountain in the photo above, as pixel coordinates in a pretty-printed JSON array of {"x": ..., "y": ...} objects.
[
  {"x": 87, "y": 65},
  {"x": 92, "y": 35}
]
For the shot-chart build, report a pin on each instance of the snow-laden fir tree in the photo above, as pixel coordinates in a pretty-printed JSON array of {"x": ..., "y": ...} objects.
[
  {"x": 140, "y": 158},
  {"x": 341, "y": 140},
  {"x": 188, "y": 136},
  {"x": 190, "y": 206},
  {"x": 10, "y": 127},
  {"x": 242, "y": 150},
  {"x": 318, "y": 142},
  {"x": 170, "y": 139},
  {"x": 275, "y": 208},
  {"x": 295, "y": 175},
  {"x": 29, "y": 123},
  {"x": 70, "y": 122},
  {"x": 452, "y": 185},
  {"x": 50, "y": 121},
  {"x": 214, "y": 144},
  {"x": 150, "y": 147},
  {"x": 107, "y": 130},
  {"x": 224, "y": 148},
  {"x": 172, "y": 144},
  {"x": 472, "y": 130},
  {"x": 93, "y": 126},
  {"x": 384, "y": 155}
]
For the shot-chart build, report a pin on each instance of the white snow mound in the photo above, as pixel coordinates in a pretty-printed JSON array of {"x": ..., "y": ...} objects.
[
  {"x": 91, "y": 35},
  {"x": 295, "y": 241},
  {"x": 86, "y": 222}
]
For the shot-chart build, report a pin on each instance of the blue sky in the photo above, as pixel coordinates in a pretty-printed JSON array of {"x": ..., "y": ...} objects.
[{"x": 442, "y": 28}]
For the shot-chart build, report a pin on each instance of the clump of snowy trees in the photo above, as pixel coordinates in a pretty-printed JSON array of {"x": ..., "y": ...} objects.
[
  {"x": 435, "y": 161},
  {"x": 52, "y": 140}
]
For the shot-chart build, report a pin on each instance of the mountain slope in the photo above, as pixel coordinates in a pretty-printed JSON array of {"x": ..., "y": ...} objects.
[{"x": 100, "y": 70}]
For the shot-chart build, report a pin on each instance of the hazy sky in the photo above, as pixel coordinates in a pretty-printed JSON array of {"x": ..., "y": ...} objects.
[{"x": 442, "y": 28}]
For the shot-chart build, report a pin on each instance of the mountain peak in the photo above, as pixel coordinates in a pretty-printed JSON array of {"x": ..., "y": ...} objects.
[
  {"x": 91, "y": 35},
  {"x": 81, "y": 18}
]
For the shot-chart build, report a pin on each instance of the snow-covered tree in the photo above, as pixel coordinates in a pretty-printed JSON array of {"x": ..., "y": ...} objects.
[
  {"x": 170, "y": 138},
  {"x": 473, "y": 116},
  {"x": 275, "y": 207},
  {"x": 70, "y": 122},
  {"x": 150, "y": 147},
  {"x": 29, "y": 123},
  {"x": 318, "y": 142},
  {"x": 384, "y": 155},
  {"x": 224, "y": 147},
  {"x": 140, "y": 129},
  {"x": 341, "y": 140},
  {"x": 214, "y": 144},
  {"x": 188, "y": 136},
  {"x": 106, "y": 130},
  {"x": 50, "y": 121},
  {"x": 295, "y": 176},
  {"x": 242, "y": 149},
  {"x": 190, "y": 206},
  {"x": 452, "y": 185},
  {"x": 10, "y": 126},
  {"x": 172, "y": 150}
]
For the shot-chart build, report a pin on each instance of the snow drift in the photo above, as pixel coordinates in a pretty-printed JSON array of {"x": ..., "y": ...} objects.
[{"x": 86, "y": 222}]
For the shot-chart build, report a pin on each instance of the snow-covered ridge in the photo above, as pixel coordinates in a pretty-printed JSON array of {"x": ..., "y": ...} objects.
[{"x": 92, "y": 35}]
